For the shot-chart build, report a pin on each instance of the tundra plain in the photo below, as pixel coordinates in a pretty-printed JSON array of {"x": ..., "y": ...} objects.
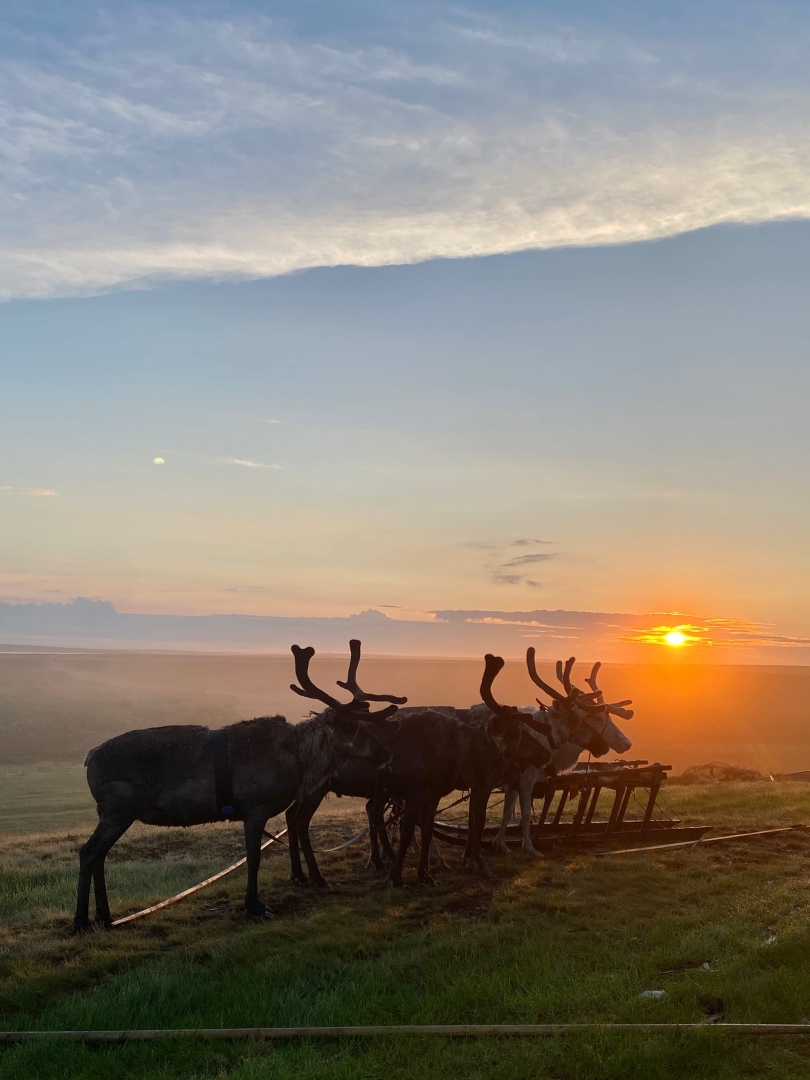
[{"x": 722, "y": 930}]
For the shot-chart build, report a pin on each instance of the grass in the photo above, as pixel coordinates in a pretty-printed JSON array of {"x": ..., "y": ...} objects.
[
  {"x": 45, "y": 796},
  {"x": 569, "y": 939}
]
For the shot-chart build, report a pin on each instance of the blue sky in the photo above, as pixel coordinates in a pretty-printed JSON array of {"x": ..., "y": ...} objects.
[
  {"x": 213, "y": 140},
  {"x": 496, "y": 307}
]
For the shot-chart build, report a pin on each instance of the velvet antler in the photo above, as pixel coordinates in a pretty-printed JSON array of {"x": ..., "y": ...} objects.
[
  {"x": 616, "y": 707},
  {"x": 308, "y": 689},
  {"x": 530, "y": 664},
  {"x": 351, "y": 680}
]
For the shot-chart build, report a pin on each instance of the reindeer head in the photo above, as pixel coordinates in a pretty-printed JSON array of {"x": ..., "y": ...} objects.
[
  {"x": 523, "y": 738},
  {"x": 583, "y": 718},
  {"x": 350, "y": 722}
]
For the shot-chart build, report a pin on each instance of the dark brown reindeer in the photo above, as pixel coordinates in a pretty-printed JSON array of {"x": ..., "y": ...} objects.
[
  {"x": 353, "y": 778},
  {"x": 439, "y": 751},
  {"x": 252, "y": 771},
  {"x": 434, "y": 752},
  {"x": 578, "y": 722}
]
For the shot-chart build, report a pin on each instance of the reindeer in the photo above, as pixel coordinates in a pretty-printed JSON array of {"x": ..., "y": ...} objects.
[
  {"x": 250, "y": 772},
  {"x": 353, "y": 778},
  {"x": 434, "y": 752},
  {"x": 594, "y": 731}
]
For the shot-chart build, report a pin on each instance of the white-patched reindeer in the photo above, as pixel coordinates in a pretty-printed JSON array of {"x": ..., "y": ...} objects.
[{"x": 593, "y": 712}]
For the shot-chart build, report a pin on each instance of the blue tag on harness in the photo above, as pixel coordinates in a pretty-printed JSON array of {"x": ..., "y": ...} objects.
[{"x": 227, "y": 811}]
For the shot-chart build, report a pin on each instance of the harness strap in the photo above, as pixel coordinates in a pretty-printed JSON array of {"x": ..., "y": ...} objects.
[
  {"x": 223, "y": 783},
  {"x": 548, "y": 732}
]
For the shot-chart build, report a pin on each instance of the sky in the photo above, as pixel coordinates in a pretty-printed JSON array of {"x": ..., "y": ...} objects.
[{"x": 473, "y": 309}]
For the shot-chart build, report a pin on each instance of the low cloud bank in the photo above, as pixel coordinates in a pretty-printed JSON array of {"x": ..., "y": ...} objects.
[{"x": 86, "y": 623}]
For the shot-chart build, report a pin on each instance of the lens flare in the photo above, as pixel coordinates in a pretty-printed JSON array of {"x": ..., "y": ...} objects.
[{"x": 159, "y": 461}]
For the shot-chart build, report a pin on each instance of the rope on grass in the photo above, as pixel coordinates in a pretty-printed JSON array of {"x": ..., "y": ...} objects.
[
  {"x": 277, "y": 839},
  {"x": 345, "y": 844},
  {"x": 700, "y": 842},
  {"x": 194, "y": 888},
  {"x": 465, "y": 1031}
]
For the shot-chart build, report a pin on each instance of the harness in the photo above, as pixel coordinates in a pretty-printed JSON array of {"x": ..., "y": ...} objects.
[
  {"x": 548, "y": 732},
  {"x": 223, "y": 781}
]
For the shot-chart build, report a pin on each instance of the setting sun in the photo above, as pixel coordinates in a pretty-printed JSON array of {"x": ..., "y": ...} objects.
[{"x": 675, "y": 637}]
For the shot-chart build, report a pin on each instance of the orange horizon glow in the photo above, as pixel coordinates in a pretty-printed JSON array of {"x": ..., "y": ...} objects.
[{"x": 674, "y": 637}]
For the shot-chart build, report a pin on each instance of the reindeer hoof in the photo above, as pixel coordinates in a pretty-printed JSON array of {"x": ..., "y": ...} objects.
[
  {"x": 299, "y": 879},
  {"x": 476, "y": 866},
  {"x": 395, "y": 881},
  {"x": 535, "y": 854},
  {"x": 104, "y": 922},
  {"x": 258, "y": 913},
  {"x": 81, "y": 926},
  {"x": 320, "y": 883},
  {"x": 439, "y": 864}
]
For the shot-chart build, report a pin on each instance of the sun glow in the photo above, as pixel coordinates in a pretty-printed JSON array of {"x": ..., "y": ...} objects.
[{"x": 676, "y": 637}]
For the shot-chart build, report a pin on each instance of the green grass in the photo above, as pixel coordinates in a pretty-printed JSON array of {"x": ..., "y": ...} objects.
[
  {"x": 46, "y": 796},
  {"x": 569, "y": 939}
]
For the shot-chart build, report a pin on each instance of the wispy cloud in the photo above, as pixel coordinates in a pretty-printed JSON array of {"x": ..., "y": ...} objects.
[
  {"x": 152, "y": 145},
  {"x": 526, "y": 560},
  {"x": 209, "y": 459},
  {"x": 247, "y": 589},
  {"x": 249, "y": 464},
  {"x": 508, "y": 579},
  {"x": 36, "y": 492}
]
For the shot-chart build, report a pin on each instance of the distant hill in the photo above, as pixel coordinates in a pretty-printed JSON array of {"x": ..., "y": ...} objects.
[{"x": 96, "y": 623}]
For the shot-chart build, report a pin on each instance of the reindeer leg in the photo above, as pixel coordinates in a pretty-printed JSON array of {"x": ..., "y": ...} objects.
[
  {"x": 526, "y": 788},
  {"x": 103, "y": 916},
  {"x": 435, "y": 856},
  {"x": 426, "y": 829},
  {"x": 106, "y": 834},
  {"x": 316, "y": 878},
  {"x": 479, "y": 797},
  {"x": 407, "y": 825},
  {"x": 254, "y": 828},
  {"x": 296, "y": 869},
  {"x": 509, "y": 799},
  {"x": 471, "y": 828},
  {"x": 375, "y": 861},
  {"x": 388, "y": 853}
]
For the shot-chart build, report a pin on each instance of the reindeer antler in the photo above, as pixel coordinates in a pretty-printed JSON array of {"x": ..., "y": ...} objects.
[
  {"x": 507, "y": 714},
  {"x": 591, "y": 680},
  {"x": 564, "y": 675},
  {"x": 616, "y": 707},
  {"x": 530, "y": 664},
  {"x": 308, "y": 689},
  {"x": 492, "y": 666},
  {"x": 351, "y": 680}
]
